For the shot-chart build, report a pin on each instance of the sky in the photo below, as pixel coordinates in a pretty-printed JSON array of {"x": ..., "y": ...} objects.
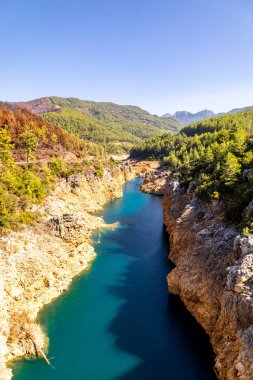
[{"x": 162, "y": 55}]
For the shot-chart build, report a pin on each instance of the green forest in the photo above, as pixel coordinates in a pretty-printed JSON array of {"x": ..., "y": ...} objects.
[
  {"x": 216, "y": 156},
  {"x": 88, "y": 128},
  {"x": 117, "y": 127}
]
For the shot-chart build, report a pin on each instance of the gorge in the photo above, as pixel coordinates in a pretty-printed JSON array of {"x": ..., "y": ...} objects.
[
  {"x": 116, "y": 320},
  {"x": 47, "y": 216}
]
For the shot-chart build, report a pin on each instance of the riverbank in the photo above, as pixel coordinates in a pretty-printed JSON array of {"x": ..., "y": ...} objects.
[
  {"x": 38, "y": 263},
  {"x": 212, "y": 275}
]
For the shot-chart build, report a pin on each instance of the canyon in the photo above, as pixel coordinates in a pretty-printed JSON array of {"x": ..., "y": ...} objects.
[{"x": 212, "y": 275}]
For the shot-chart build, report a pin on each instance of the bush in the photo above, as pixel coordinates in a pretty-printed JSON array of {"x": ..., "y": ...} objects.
[{"x": 99, "y": 169}]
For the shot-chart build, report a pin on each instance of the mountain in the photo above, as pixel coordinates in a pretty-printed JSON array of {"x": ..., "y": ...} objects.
[
  {"x": 236, "y": 110},
  {"x": 240, "y": 119},
  {"x": 186, "y": 117},
  {"x": 167, "y": 115},
  {"x": 101, "y": 121}
]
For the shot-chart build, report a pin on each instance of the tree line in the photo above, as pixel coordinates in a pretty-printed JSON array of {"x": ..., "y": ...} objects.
[{"x": 216, "y": 156}]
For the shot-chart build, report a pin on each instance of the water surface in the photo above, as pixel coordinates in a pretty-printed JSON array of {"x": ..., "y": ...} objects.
[{"x": 117, "y": 320}]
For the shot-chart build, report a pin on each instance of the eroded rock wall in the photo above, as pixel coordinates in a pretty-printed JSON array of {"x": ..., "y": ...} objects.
[{"x": 213, "y": 275}]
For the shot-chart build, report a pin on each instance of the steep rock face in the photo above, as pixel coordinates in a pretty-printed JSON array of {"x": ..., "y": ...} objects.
[
  {"x": 155, "y": 182},
  {"x": 186, "y": 117},
  {"x": 38, "y": 263},
  {"x": 213, "y": 276}
]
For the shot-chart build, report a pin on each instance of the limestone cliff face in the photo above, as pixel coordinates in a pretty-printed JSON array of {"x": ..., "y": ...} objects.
[
  {"x": 155, "y": 182},
  {"x": 213, "y": 272},
  {"x": 213, "y": 276},
  {"x": 38, "y": 263}
]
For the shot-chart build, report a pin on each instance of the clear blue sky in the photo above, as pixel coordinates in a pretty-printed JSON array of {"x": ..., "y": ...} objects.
[{"x": 163, "y": 55}]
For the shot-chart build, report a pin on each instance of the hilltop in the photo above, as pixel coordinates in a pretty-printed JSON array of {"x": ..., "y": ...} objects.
[{"x": 113, "y": 124}]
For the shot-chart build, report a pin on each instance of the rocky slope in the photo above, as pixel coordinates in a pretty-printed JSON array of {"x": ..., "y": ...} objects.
[
  {"x": 155, "y": 182},
  {"x": 38, "y": 263},
  {"x": 213, "y": 276}
]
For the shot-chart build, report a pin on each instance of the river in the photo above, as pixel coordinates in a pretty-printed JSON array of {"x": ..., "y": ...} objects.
[{"x": 117, "y": 320}]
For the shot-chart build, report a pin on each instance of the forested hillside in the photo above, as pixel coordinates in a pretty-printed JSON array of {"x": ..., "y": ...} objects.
[
  {"x": 32, "y": 154},
  {"x": 242, "y": 119},
  {"x": 216, "y": 157},
  {"x": 86, "y": 127},
  {"x": 18, "y": 120},
  {"x": 117, "y": 126}
]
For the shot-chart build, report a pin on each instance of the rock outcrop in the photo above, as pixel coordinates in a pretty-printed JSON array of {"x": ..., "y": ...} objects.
[
  {"x": 155, "y": 182},
  {"x": 213, "y": 276},
  {"x": 38, "y": 263}
]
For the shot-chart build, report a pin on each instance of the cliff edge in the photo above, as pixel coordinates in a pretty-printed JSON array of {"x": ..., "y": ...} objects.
[{"x": 213, "y": 273}]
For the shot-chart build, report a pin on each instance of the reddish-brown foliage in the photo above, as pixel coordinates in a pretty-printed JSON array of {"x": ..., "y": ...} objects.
[{"x": 49, "y": 136}]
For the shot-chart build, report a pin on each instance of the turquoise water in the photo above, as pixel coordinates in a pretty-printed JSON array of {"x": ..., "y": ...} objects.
[{"x": 117, "y": 320}]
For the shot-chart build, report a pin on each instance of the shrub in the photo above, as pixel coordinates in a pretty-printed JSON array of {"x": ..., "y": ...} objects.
[{"x": 99, "y": 169}]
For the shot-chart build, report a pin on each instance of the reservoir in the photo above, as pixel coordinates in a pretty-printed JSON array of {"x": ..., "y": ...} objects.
[{"x": 117, "y": 321}]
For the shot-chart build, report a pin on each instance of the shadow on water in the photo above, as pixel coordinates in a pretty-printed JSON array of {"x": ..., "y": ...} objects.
[{"x": 151, "y": 324}]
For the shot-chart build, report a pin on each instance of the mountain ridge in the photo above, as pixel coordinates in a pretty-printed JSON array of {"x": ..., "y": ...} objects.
[
  {"x": 101, "y": 122},
  {"x": 186, "y": 117}
]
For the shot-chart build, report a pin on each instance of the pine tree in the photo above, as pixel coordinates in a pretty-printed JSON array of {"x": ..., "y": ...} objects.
[
  {"x": 6, "y": 157},
  {"x": 29, "y": 143},
  {"x": 239, "y": 141},
  {"x": 209, "y": 157},
  {"x": 230, "y": 170}
]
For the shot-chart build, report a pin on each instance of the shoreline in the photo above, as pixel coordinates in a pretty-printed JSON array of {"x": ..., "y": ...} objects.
[{"x": 39, "y": 263}]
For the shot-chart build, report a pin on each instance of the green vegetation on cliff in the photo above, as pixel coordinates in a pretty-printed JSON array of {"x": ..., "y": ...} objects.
[{"x": 216, "y": 156}]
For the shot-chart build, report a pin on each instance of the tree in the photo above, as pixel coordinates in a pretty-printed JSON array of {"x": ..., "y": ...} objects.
[
  {"x": 230, "y": 170},
  {"x": 29, "y": 143},
  {"x": 6, "y": 157},
  {"x": 54, "y": 138},
  {"x": 209, "y": 157},
  {"x": 248, "y": 158},
  {"x": 195, "y": 155},
  {"x": 239, "y": 141},
  {"x": 172, "y": 160}
]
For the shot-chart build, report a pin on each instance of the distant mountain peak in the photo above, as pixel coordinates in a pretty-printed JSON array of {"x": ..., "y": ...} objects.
[
  {"x": 186, "y": 117},
  {"x": 167, "y": 115}
]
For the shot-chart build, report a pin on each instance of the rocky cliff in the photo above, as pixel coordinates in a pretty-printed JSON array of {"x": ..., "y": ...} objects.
[
  {"x": 38, "y": 263},
  {"x": 213, "y": 275}
]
